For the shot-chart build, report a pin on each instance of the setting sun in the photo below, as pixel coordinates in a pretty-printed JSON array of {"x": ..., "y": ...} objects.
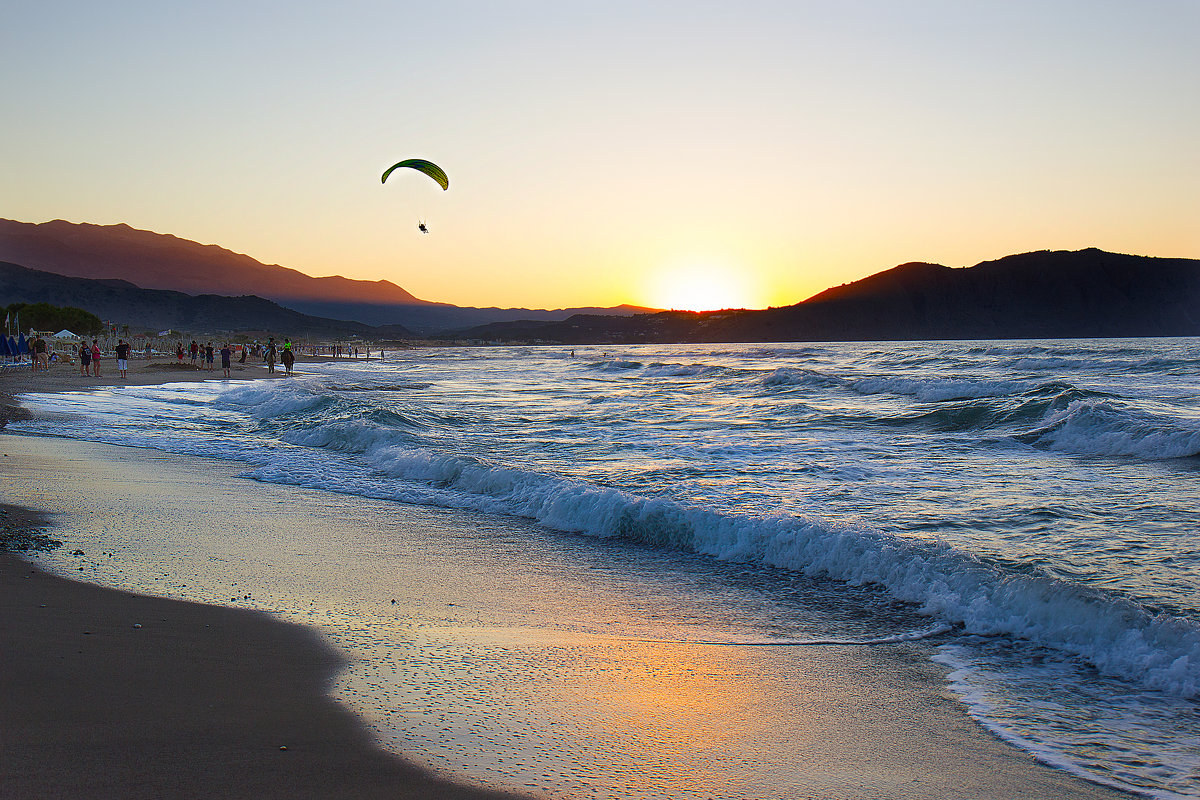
[{"x": 702, "y": 287}]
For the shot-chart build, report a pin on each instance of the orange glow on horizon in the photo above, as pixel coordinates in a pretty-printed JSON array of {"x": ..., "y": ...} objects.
[{"x": 703, "y": 286}]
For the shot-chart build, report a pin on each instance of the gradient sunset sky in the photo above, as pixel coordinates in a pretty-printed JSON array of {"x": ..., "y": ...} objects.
[{"x": 673, "y": 154}]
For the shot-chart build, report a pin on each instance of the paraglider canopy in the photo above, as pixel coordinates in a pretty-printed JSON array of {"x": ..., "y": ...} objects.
[{"x": 420, "y": 165}]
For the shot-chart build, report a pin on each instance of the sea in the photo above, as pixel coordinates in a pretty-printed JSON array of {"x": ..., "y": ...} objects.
[{"x": 1026, "y": 512}]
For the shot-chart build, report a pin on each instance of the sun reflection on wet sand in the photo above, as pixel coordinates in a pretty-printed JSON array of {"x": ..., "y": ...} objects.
[{"x": 663, "y": 714}]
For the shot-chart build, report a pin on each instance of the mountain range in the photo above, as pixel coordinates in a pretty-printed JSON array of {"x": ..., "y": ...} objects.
[
  {"x": 143, "y": 279},
  {"x": 161, "y": 261},
  {"x": 158, "y": 309},
  {"x": 1043, "y": 294}
]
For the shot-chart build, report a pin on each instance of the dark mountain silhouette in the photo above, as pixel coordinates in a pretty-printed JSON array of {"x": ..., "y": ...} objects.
[
  {"x": 444, "y": 318},
  {"x": 1044, "y": 294},
  {"x": 157, "y": 309},
  {"x": 161, "y": 261}
]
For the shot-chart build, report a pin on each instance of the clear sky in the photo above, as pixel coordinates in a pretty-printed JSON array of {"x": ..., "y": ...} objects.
[{"x": 664, "y": 153}]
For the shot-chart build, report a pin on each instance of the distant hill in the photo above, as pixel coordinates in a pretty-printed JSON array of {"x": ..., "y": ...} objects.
[
  {"x": 443, "y": 318},
  {"x": 161, "y": 261},
  {"x": 1044, "y": 294},
  {"x": 158, "y": 309}
]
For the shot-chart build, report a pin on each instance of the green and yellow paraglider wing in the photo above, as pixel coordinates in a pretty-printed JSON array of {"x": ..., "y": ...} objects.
[{"x": 420, "y": 165}]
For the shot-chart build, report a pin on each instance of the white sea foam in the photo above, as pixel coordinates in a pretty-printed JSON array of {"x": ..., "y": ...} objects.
[
  {"x": 1151, "y": 740},
  {"x": 937, "y": 629}
]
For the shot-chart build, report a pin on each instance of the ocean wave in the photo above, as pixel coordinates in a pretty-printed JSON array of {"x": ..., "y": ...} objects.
[
  {"x": 934, "y": 390},
  {"x": 794, "y": 376},
  {"x": 349, "y": 436},
  {"x": 1009, "y": 350},
  {"x": 1054, "y": 363},
  {"x": 1116, "y": 635},
  {"x": 1104, "y": 365},
  {"x": 382, "y": 387},
  {"x": 777, "y": 353},
  {"x": 1098, "y": 428},
  {"x": 614, "y": 365},
  {"x": 267, "y": 400},
  {"x": 668, "y": 370},
  {"x": 988, "y": 413}
]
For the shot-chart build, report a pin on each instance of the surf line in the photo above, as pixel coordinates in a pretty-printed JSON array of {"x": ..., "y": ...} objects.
[{"x": 910, "y": 636}]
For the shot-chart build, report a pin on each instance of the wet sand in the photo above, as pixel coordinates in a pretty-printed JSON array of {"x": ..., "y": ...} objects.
[{"x": 114, "y": 695}]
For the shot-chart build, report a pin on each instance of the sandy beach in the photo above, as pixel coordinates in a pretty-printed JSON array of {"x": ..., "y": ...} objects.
[
  {"x": 112, "y": 694},
  {"x": 115, "y": 695}
]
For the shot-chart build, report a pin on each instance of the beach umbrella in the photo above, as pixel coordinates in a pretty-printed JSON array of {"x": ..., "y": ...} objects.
[
  {"x": 4, "y": 346},
  {"x": 12, "y": 346},
  {"x": 22, "y": 345}
]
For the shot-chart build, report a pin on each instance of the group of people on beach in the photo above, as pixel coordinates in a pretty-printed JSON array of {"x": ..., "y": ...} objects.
[
  {"x": 204, "y": 356},
  {"x": 90, "y": 357}
]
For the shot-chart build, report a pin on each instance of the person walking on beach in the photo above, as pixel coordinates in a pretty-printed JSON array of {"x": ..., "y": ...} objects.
[
  {"x": 272, "y": 355},
  {"x": 242, "y": 357},
  {"x": 85, "y": 359},
  {"x": 194, "y": 351},
  {"x": 39, "y": 354},
  {"x": 208, "y": 356},
  {"x": 179, "y": 351},
  {"x": 123, "y": 358},
  {"x": 226, "y": 355},
  {"x": 96, "y": 357}
]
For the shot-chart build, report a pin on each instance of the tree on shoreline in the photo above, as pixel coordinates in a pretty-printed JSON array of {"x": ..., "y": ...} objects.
[{"x": 45, "y": 317}]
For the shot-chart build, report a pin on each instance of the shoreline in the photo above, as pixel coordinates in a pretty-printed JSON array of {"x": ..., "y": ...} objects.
[
  {"x": 65, "y": 377},
  {"x": 947, "y": 747}
]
